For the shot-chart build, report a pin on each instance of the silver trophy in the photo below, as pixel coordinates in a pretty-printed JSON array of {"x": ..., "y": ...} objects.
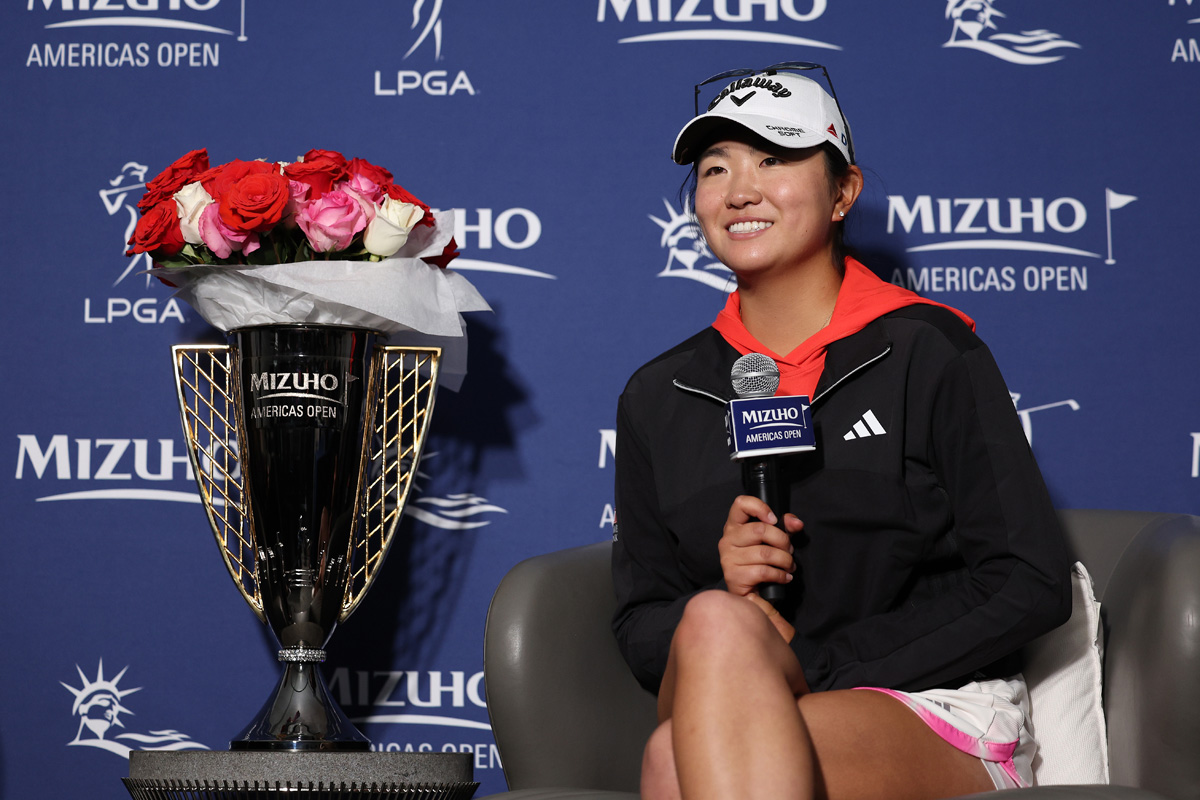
[{"x": 304, "y": 440}]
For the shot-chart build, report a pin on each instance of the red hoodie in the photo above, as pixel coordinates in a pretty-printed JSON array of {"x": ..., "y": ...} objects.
[{"x": 863, "y": 298}]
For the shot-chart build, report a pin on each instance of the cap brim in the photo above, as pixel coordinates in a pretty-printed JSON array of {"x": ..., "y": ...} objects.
[{"x": 775, "y": 130}]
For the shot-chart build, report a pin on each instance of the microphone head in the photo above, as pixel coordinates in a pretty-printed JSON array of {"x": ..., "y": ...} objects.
[{"x": 755, "y": 375}]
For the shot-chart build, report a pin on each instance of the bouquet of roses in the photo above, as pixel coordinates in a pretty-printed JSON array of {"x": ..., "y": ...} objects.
[
  {"x": 321, "y": 240},
  {"x": 259, "y": 212}
]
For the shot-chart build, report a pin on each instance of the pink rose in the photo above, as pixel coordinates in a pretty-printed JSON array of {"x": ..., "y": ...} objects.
[
  {"x": 331, "y": 221},
  {"x": 220, "y": 238},
  {"x": 300, "y": 194},
  {"x": 368, "y": 194},
  {"x": 366, "y": 187}
]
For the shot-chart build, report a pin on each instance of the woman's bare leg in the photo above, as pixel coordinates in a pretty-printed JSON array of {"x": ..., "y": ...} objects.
[
  {"x": 870, "y": 745},
  {"x": 733, "y": 687},
  {"x": 737, "y": 729}
]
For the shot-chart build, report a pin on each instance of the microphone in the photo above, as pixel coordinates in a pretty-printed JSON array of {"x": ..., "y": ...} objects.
[
  {"x": 761, "y": 426},
  {"x": 755, "y": 375}
]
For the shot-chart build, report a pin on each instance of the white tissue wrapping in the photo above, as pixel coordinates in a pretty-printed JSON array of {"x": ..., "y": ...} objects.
[{"x": 413, "y": 302}]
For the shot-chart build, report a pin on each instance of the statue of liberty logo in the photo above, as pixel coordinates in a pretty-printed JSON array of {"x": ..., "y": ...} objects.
[
  {"x": 98, "y": 704},
  {"x": 972, "y": 19},
  {"x": 688, "y": 255}
]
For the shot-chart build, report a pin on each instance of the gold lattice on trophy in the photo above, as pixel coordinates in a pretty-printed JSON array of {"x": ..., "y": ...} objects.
[
  {"x": 407, "y": 381},
  {"x": 206, "y": 384}
]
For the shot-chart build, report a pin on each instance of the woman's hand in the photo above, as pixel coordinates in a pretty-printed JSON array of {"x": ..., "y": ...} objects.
[
  {"x": 754, "y": 551},
  {"x": 774, "y": 617}
]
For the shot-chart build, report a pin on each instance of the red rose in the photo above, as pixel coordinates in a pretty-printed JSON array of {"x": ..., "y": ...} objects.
[
  {"x": 397, "y": 192},
  {"x": 324, "y": 157},
  {"x": 449, "y": 253},
  {"x": 255, "y": 203},
  {"x": 320, "y": 169},
  {"x": 219, "y": 180},
  {"x": 157, "y": 232},
  {"x": 380, "y": 176},
  {"x": 174, "y": 178}
]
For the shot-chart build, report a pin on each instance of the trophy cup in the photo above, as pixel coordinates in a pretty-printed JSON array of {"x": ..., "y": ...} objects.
[
  {"x": 304, "y": 440},
  {"x": 304, "y": 433}
]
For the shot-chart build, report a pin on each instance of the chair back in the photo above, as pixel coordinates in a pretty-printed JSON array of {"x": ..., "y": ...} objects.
[{"x": 565, "y": 709}]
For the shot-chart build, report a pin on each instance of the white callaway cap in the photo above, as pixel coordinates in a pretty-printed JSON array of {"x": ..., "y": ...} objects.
[{"x": 787, "y": 109}]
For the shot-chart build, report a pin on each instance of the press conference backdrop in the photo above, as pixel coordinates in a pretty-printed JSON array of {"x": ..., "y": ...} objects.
[{"x": 1032, "y": 162}]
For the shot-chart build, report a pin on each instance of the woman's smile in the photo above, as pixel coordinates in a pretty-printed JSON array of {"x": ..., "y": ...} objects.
[
  {"x": 748, "y": 227},
  {"x": 764, "y": 207}
]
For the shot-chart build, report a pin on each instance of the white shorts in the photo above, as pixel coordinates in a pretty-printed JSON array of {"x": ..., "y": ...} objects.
[{"x": 985, "y": 719}]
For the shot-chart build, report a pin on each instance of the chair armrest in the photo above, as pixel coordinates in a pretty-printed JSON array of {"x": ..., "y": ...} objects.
[{"x": 1152, "y": 660}]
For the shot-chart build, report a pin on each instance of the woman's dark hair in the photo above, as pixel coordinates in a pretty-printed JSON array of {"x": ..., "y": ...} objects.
[{"x": 836, "y": 168}]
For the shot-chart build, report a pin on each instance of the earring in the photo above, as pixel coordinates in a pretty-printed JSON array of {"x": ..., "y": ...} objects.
[{"x": 841, "y": 213}]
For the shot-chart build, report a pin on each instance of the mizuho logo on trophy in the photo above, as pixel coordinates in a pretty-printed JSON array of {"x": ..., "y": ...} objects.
[{"x": 297, "y": 395}]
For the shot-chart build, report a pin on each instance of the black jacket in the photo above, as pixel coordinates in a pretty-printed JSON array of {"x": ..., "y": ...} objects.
[{"x": 931, "y": 551}]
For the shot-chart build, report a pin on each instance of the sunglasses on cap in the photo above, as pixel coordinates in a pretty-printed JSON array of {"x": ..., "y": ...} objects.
[{"x": 784, "y": 66}]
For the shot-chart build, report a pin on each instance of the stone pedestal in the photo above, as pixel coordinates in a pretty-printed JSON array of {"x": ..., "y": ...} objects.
[{"x": 241, "y": 775}]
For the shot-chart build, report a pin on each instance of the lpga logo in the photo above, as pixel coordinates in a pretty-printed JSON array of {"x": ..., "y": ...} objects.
[
  {"x": 116, "y": 198},
  {"x": 431, "y": 26},
  {"x": 426, "y": 17},
  {"x": 98, "y": 704},
  {"x": 971, "y": 18},
  {"x": 120, "y": 201},
  {"x": 688, "y": 255}
]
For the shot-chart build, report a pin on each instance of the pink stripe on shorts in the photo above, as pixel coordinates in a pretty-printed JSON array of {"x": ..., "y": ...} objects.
[{"x": 985, "y": 719}]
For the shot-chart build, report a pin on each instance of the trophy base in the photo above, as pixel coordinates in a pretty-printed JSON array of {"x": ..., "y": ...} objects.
[
  {"x": 223, "y": 775},
  {"x": 301, "y": 717}
]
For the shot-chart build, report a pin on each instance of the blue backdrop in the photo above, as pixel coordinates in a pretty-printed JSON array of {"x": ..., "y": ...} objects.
[{"x": 1032, "y": 162}]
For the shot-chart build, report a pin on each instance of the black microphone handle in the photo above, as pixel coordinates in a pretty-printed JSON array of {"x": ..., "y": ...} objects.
[{"x": 759, "y": 481}]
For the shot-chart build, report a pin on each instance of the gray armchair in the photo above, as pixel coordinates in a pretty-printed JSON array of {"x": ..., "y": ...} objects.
[{"x": 570, "y": 720}]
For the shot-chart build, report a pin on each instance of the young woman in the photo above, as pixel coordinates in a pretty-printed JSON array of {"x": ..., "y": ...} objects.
[{"x": 917, "y": 544}]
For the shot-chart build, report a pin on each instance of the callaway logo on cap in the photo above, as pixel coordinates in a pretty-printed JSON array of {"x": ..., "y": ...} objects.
[{"x": 787, "y": 109}]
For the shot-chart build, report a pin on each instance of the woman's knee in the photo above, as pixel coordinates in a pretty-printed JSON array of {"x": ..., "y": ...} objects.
[{"x": 717, "y": 622}]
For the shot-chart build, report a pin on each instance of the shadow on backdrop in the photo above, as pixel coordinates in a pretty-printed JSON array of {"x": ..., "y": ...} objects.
[{"x": 405, "y": 617}]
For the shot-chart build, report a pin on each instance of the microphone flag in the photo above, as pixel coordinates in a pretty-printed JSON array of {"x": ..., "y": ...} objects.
[{"x": 763, "y": 426}]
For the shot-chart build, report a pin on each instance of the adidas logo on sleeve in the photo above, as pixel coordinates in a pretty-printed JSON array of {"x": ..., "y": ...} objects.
[{"x": 866, "y": 427}]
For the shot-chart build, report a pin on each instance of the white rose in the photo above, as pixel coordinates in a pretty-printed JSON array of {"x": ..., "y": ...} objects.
[
  {"x": 190, "y": 202},
  {"x": 388, "y": 231}
]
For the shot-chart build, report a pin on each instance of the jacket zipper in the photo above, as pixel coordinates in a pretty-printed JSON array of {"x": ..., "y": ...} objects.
[
  {"x": 701, "y": 392},
  {"x": 852, "y": 372},
  {"x": 694, "y": 390}
]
